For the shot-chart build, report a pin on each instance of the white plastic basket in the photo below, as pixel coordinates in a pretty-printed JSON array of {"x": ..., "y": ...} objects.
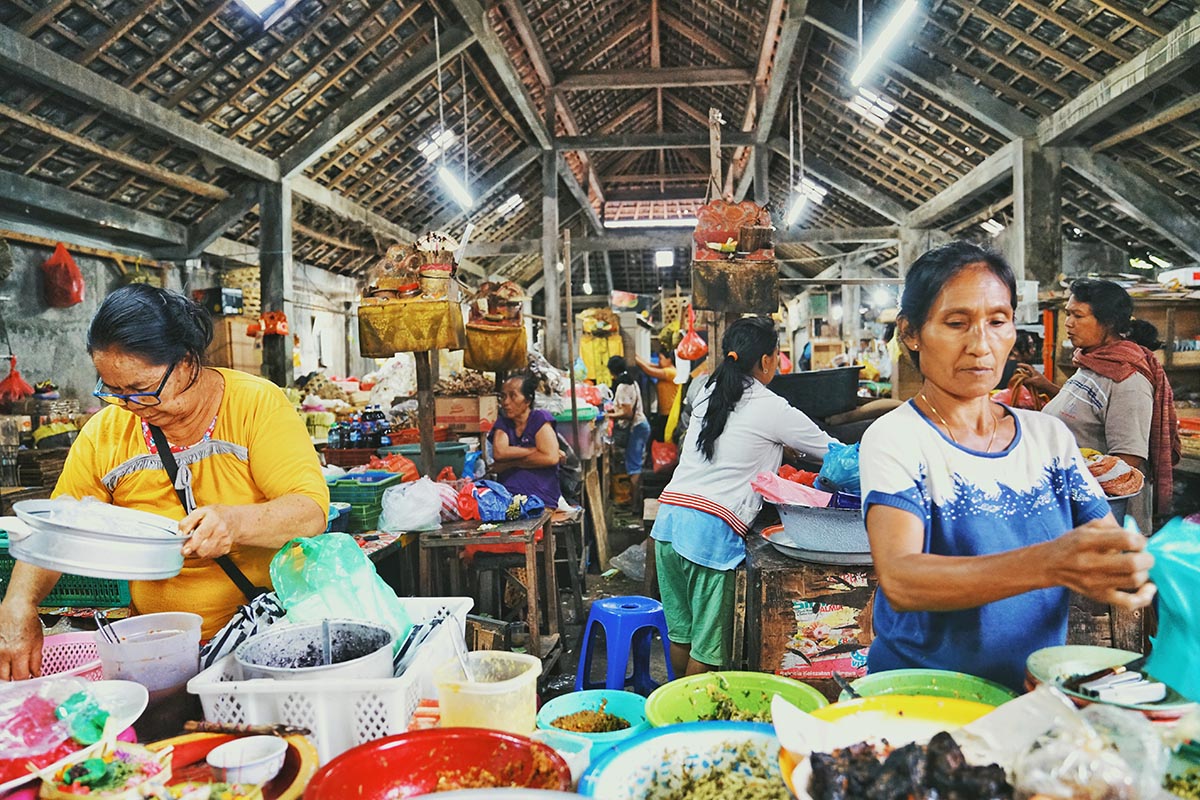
[{"x": 340, "y": 713}]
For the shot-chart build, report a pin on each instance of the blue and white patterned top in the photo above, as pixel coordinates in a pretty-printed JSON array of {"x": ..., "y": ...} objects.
[{"x": 975, "y": 503}]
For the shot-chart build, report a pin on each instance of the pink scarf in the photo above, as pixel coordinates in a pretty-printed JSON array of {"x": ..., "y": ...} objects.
[{"x": 1119, "y": 360}]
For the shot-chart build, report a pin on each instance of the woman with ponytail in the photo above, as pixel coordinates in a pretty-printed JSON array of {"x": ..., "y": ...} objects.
[
  {"x": 1119, "y": 401},
  {"x": 247, "y": 479},
  {"x": 739, "y": 429}
]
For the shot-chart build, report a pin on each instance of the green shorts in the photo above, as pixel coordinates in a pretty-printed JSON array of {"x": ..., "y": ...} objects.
[{"x": 698, "y": 602}]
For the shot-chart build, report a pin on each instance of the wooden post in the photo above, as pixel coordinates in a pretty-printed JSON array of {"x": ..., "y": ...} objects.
[
  {"x": 275, "y": 274},
  {"x": 425, "y": 412},
  {"x": 714, "y": 150},
  {"x": 571, "y": 336}
]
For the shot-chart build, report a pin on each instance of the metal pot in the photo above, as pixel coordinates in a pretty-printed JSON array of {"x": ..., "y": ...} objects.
[
  {"x": 143, "y": 546},
  {"x": 294, "y": 652}
]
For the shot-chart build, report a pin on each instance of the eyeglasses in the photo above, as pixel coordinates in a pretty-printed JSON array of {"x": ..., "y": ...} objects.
[{"x": 138, "y": 398}]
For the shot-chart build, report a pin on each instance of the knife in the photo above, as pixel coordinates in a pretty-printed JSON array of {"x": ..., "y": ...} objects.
[{"x": 1074, "y": 683}]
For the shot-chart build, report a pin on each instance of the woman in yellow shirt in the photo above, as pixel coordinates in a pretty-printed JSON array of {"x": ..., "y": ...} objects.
[{"x": 247, "y": 469}]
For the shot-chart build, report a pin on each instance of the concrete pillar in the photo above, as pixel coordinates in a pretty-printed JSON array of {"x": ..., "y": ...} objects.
[
  {"x": 275, "y": 274},
  {"x": 1036, "y": 238},
  {"x": 914, "y": 242}
]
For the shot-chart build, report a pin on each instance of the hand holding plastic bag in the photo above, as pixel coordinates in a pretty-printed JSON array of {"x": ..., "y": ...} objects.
[
  {"x": 330, "y": 577},
  {"x": 781, "y": 491},
  {"x": 415, "y": 506}
]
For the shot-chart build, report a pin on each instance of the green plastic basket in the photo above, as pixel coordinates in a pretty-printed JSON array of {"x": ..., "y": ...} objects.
[
  {"x": 71, "y": 591},
  {"x": 364, "y": 517},
  {"x": 362, "y": 492}
]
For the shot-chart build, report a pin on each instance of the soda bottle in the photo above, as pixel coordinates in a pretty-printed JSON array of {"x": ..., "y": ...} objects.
[
  {"x": 333, "y": 439},
  {"x": 355, "y": 439}
]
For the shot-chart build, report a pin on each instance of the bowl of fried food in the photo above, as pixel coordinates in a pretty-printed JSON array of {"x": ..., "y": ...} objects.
[{"x": 603, "y": 716}]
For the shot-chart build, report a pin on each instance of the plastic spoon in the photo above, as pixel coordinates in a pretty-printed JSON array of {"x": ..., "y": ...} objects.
[{"x": 326, "y": 645}]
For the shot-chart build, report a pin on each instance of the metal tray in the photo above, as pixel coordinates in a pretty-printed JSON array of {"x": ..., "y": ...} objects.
[
  {"x": 786, "y": 544},
  {"x": 147, "y": 547}
]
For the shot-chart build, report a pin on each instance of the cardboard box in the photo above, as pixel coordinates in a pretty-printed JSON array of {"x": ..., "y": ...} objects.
[
  {"x": 232, "y": 348},
  {"x": 467, "y": 414}
]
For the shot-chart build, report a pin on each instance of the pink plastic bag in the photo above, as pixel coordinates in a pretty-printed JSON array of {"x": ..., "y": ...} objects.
[{"x": 780, "y": 491}]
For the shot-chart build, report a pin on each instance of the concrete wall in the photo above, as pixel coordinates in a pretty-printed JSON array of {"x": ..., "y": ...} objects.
[{"x": 51, "y": 343}]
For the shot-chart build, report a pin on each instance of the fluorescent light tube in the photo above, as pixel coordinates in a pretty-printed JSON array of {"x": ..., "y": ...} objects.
[
  {"x": 455, "y": 188},
  {"x": 886, "y": 37}
]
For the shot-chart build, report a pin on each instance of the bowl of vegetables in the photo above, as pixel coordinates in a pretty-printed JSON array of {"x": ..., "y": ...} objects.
[
  {"x": 727, "y": 696},
  {"x": 695, "y": 759},
  {"x": 603, "y": 716}
]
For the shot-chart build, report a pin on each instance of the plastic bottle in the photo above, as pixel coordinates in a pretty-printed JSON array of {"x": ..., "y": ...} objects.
[
  {"x": 355, "y": 438},
  {"x": 333, "y": 439}
]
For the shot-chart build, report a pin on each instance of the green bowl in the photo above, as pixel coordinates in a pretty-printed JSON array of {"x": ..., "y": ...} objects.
[
  {"x": 689, "y": 699},
  {"x": 932, "y": 683}
]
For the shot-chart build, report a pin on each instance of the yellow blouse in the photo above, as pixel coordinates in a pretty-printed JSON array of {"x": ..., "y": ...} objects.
[{"x": 258, "y": 451}]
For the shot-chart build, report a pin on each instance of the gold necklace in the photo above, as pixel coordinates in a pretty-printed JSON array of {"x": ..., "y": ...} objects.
[{"x": 953, "y": 438}]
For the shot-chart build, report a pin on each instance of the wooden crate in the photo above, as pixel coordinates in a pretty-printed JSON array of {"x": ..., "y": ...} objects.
[
  {"x": 739, "y": 286},
  {"x": 806, "y": 621},
  {"x": 232, "y": 348},
  {"x": 824, "y": 351}
]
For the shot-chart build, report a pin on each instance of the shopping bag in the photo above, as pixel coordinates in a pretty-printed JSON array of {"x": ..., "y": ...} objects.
[
  {"x": 1018, "y": 395},
  {"x": 415, "y": 506},
  {"x": 692, "y": 347},
  {"x": 1176, "y": 573},
  {"x": 63, "y": 282},
  {"x": 839, "y": 472},
  {"x": 330, "y": 577}
]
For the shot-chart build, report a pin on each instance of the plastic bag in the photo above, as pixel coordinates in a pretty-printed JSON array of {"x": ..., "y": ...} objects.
[
  {"x": 468, "y": 507},
  {"x": 313, "y": 578},
  {"x": 1176, "y": 573},
  {"x": 63, "y": 286},
  {"x": 839, "y": 472},
  {"x": 1018, "y": 395},
  {"x": 1074, "y": 761},
  {"x": 492, "y": 500},
  {"x": 415, "y": 506},
  {"x": 692, "y": 347},
  {"x": 664, "y": 454},
  {"x": 781, "y": 491}
]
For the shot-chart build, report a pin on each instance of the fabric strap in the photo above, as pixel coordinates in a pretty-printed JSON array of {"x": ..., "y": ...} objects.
[{"x": 244, "y": 585}]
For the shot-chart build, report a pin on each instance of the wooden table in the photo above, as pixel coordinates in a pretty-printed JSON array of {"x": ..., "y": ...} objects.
[{"x": 522, "y": 531}]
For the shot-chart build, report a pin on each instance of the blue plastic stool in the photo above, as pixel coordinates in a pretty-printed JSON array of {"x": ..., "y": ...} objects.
[{"x": 628, "y": 623}]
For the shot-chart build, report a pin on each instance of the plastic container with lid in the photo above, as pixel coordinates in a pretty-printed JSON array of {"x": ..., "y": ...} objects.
[{"x": 502, "y": 696}]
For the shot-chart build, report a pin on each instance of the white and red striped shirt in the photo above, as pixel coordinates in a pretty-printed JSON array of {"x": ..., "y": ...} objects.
[{"x": 752, "y": 442}]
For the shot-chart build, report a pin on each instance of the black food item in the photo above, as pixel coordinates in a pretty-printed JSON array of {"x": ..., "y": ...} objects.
[{"x": 937, "y": 771}]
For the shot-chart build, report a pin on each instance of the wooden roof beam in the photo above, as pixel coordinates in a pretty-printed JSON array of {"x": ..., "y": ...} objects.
[
  {"x": 343, "y": 121},
  {"x": 1157, "y": 65},
  {"x": 316, "y": 193},
  {"x": 31, "y": 61},
  {"x": 541, "y": 64},
  {"x": 652, "y": 141},
  {"x": 780, "y": 67},
  {"x": 1138, "y": 198},
  {"x": 993, "y": 170},
  {"x": 1176, "y": 111},
  {"x": 662, "y": 78},
  {"x": 40, "y": 199},
  {"x": 931, "y": 77},
  {"x": 497, "y": 177}
]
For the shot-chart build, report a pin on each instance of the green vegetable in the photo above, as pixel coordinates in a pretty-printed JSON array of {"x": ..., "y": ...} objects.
[{"x": 1186, "y": 785}]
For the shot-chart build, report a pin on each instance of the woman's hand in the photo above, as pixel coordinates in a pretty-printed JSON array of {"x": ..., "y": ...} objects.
[
  {"x": 1104, "y": 562},
  {"x": 213, "y": 531},
  {"x": 1036, "y": 380},
  {"x": 20, "y": 642}
]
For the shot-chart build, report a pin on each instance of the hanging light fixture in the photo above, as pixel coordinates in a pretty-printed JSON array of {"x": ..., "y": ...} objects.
[
  {"x": 587, "y": 273},
  {"x": 889, "y": 34}
]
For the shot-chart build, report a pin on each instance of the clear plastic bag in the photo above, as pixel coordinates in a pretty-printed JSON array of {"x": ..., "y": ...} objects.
[
  {"x": 330, "y": 577},
  {"x": 415, "y": 506},
  {"x": 29, "y": 722},
  {"x": 1075, "y": 761}
]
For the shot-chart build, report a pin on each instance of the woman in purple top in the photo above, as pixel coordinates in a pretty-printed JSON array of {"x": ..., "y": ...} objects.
[{"x": 524, "y": 443}]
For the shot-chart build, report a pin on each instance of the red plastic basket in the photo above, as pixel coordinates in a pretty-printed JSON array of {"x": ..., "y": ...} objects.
[{"x": 348, "y": 457}]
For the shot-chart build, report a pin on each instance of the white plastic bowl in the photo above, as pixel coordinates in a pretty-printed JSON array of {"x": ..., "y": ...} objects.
[{"x": 253, "y": 760}]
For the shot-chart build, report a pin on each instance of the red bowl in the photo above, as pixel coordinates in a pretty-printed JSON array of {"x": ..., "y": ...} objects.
[{"x": 410, "y": 764}]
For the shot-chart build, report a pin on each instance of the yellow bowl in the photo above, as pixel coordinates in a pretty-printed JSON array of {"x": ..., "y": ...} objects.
[{"x": 898, "y": 718}]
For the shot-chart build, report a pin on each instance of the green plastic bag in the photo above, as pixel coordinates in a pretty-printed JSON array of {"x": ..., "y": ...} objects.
[
  {"x": 1176, "y": 573},
  {"x": 330, "y": 577}
]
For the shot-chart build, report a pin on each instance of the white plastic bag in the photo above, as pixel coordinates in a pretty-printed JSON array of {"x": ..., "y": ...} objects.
[{"x": 415, "y": 506}]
